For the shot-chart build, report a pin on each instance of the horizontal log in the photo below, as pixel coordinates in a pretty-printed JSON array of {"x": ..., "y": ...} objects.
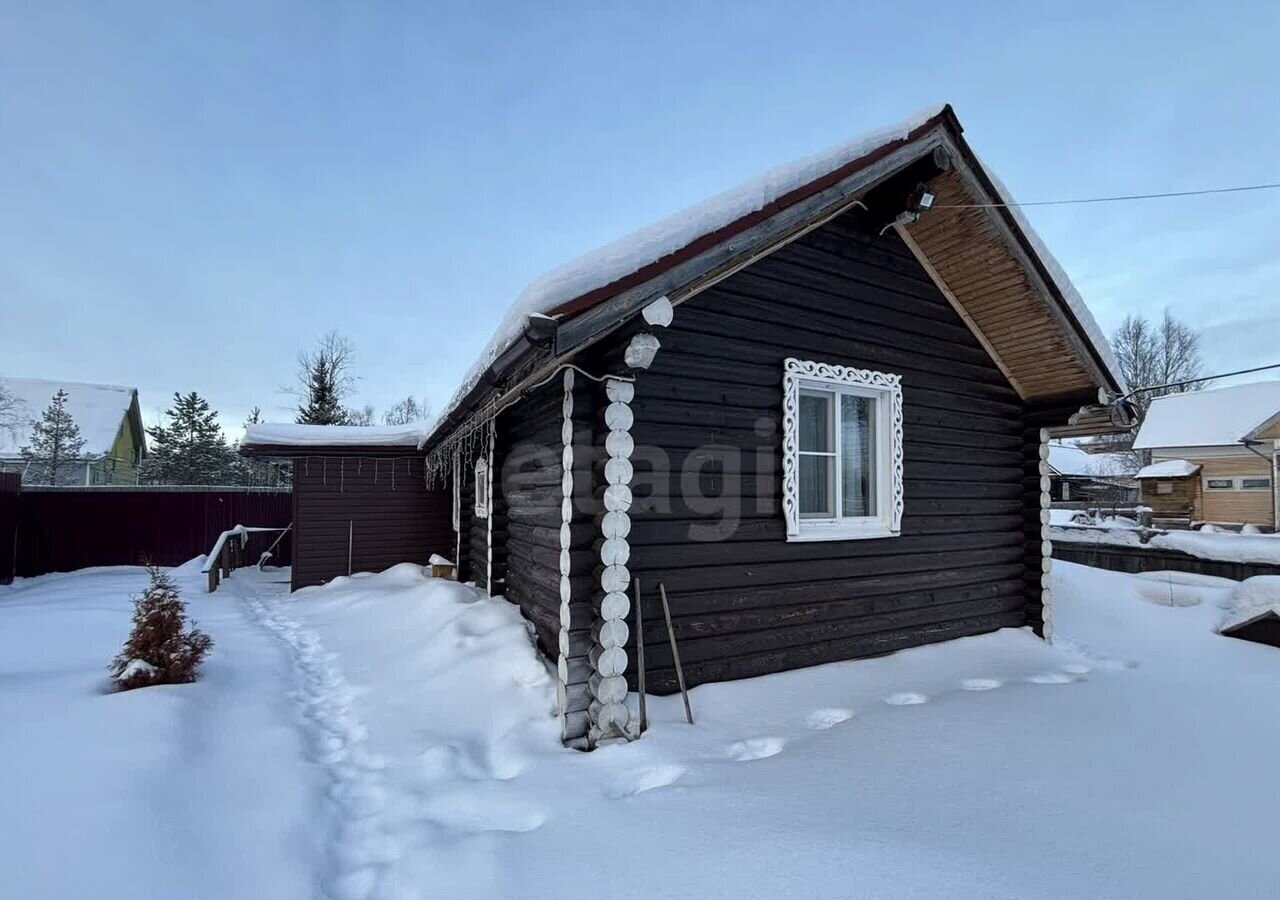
[{"x": 750, "y": 665}]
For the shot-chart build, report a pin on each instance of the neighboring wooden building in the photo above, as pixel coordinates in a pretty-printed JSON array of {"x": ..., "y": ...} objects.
[
  {"x": 360, "y": 502},
  {"x": 817, "y": 409},
  {"x": 1230, "y": 436},
  {"x": 1094, "y": 477},
  {"x": 110, "y": 422}
]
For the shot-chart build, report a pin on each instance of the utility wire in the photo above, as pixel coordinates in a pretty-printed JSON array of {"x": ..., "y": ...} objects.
[
  {"x": 1157, "y": 387},
  {"x": 1229, "y": 190}
]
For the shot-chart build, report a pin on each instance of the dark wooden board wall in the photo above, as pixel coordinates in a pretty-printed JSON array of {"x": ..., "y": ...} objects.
[
  {"x": 745, "y": 601},
  {"x": 376, "y": 502}
]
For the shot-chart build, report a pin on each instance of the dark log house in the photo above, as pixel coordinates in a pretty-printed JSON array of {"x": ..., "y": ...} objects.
[{"x": 817, "y": 409}]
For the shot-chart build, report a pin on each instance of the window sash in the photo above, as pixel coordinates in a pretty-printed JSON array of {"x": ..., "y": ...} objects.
[
  {"x": 1259, "y": 483},
  {"x": 834, "y": 408}
]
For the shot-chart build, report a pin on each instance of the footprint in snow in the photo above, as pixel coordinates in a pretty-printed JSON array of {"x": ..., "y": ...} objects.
[
  {"x": 1077, "y": 669},
  {"x": 980, "y": 684},
  {"x": 755, "y": 748},
  {"x": 1051, "y": 678},
  {"x": 645, "y": 780},
  {"x": 822, "y": 719},
  {"x": 906, "y": 698}
]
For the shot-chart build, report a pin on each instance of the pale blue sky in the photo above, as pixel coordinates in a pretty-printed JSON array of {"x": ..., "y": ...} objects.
[{"x": 190, "y": 193}]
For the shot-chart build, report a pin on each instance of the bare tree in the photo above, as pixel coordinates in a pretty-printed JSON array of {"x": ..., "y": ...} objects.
[
  {"x": 407, "y": 411},
  {"x": 362, "y": 416},
  {"x": 324, "y": 381},
  {"x": 1155, "y": 354},
  {"x": 14, "y": 417}
]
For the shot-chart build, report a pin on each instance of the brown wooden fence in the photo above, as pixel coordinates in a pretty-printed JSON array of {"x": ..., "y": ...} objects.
[{"x": 60, "y": 529}]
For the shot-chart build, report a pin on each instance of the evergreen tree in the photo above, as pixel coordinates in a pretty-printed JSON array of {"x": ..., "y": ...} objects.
[
  {"x": 190, "y": 449},
  {"x": 55, "y": 445},
  {"x": 324, "y": 381},
  {"x": 160, "y": 649}
]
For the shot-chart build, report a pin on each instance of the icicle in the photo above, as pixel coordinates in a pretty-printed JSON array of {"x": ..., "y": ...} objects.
[
  {"x": 324, "y": 476},
  {"x": 393, "y": 473},
  {"x": 342, "y": 476}
]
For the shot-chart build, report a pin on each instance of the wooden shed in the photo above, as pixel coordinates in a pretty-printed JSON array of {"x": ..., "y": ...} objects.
[
  {"x": 360, "y": 498},
  {"x": 816, "y": 408}
]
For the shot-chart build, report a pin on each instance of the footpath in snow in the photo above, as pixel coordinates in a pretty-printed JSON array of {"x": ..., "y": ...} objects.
[{"x": 398, "y": 740}]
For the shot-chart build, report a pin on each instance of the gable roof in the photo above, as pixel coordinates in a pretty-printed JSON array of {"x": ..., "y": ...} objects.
[
  {"x": 1067, "y": 460},
  {"x": 99, "y": 411},
  {"x": 1219, "y": 417},
  {"x": 599, "y": 290}
]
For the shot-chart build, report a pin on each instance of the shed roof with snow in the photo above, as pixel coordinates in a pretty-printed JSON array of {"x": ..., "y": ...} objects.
[
  {"x": 1169, "y": 468},
  {"x": 1220, "y": 417},
  {"x": 291, "y": 439},
  {"x": 100, "y": 411},
  {"x": 1074, "y": 462}
]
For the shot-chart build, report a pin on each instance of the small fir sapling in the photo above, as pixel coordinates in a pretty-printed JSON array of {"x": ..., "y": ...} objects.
[{"x": 160, "y": 649}]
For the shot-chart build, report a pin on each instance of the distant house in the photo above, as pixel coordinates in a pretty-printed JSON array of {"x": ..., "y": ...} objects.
[
  {"x": 109, "y": 419},
  {"x": 1099, "y": 477},
  {"x": 1213, "y": 455}
]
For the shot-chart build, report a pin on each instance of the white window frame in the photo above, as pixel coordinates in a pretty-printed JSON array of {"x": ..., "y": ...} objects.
[
  {"x": 1237, "y": 483},
  {"x": 886, "y": 390},
  {"x": 482, "y": 488}
]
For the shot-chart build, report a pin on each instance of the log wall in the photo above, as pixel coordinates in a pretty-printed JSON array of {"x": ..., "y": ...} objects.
[
  {"x": 707, "y": 487},
  {"x": 529, "y": 487}
]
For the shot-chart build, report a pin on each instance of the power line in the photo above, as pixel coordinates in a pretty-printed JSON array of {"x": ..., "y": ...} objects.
[
  {"x": 1175, "y": 384},
  {"x": 1228, "y": 190}
]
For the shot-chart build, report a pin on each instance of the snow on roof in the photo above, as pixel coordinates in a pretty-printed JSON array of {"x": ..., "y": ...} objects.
[
  {"x": 1214, "y": 418},
  {"x": 627, "y": 255},
  {"x": 1068, "y": 460},
  {"x": 98, "y": 410},
  {"x": 288, "y": 434},
  {"x": 1169, "y": 468}
]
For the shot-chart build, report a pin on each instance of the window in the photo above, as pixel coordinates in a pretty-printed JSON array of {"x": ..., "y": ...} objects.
[
  {"x": 842, "y": 452},
  {"x": 1246, "y": 483},
  {"x": 1164, "y": 487},
  {"x": 482, "y": 488}
]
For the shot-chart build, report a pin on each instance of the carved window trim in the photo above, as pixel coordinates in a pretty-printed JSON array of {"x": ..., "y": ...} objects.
[
  {"x": 886, "y": 388},
  {"x": 482, "y": 488}
]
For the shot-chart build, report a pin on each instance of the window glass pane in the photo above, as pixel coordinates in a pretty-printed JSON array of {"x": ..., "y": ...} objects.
[
  {"x": 816, "y": 485},
  {"x": 857, "y": 455},
  {"x": 1255, "y": 484},
  {"x": 815, "y": 422},
  {"x": 1221, "y": 484}
]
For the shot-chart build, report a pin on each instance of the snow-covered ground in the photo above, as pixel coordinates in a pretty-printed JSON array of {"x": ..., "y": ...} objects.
[{"x": 392, "y": 736}]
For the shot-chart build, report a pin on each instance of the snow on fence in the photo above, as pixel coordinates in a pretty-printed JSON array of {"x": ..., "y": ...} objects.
[
  {"x": 1136, "y": 550},
  {"x": 61, "y": 530}
]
